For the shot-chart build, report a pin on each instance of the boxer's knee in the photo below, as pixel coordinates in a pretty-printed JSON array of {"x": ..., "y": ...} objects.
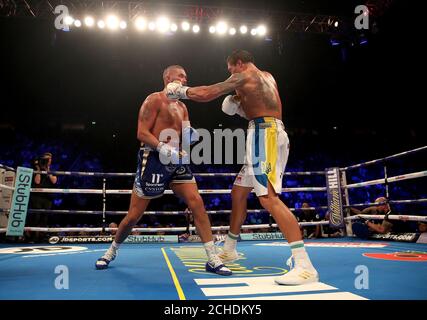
[
  {"x": 268, "y": 202},
  {"x": 194, "y": 201}
]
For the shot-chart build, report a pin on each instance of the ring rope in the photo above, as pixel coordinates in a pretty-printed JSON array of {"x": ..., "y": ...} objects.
[
  {"x": 216, "y": 228},
  {"x": 408, "y": 176},
  {"x": 125, "y": 191},
  {"x": 390, "y": 217},
  {"x": 6, "y": 187},
  {"x": 160, "y": 212},
  {"x": 6, "y": 167},
  {"x": 398, "y": 155},
  {"x": 382, "y": 203}
]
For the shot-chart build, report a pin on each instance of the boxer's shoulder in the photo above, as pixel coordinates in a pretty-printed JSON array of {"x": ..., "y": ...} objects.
[{"x": 156, "y": 96}]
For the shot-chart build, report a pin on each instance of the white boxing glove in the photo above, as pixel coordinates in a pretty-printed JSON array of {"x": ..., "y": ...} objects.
[
  {"x": 175, "y": 91},
  {"x": 231, "y": 106},
  {"x": 169, "y": 154}
]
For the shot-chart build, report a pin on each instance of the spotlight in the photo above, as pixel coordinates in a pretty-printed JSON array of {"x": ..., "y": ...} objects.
[
  {"x": 123, "y": 25},
  {"x": 212, "y": 29},
  {"x": 77, "y": 23},
  {"x": 253, "y": 32},
  {"x": 221, "y": 27},
  {"x": 261, "y": 30},
  {"x": 163, "y": 24},
  {"x": 101, "y": 24},
  {"x": 89, "y": 21},
  {"x": 232, "y": 31},
  {"x": 243, "y": 29},
  {"x": 112, "y": 22},
  {"x": 174, "y": 27},
  {"x": 336, "y": 24},
  {"x": 196, "y": 28},
  {"x": 151, "y": 25},
  {"x": 185, "y": 26},
  {"x": 68, "y": 20},
  {"x": 140, "y": 23}
]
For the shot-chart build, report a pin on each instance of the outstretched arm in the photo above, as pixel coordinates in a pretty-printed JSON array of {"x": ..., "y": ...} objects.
[
  {"x": 209, "y": 93},
  {"x": 206, "y": 93}
]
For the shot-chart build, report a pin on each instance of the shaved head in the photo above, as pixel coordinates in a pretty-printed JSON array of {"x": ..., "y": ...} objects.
[
  {"x": 173, "y": 73},
  {"x": 169, "y": 69}
]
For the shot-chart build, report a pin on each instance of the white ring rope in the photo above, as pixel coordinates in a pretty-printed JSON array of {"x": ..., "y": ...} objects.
[
  {"x": 390, "y": 217},
  {"x": 367, "y": 163},
  {"x": 160, "y": 212},
  {"x": 202, "y": 191},
  {"x": 6, "y": 187},
  {"x": 214, "y": 228},
  {"x": 382, "y": 203},
  {"x": 408, "y": 176}
]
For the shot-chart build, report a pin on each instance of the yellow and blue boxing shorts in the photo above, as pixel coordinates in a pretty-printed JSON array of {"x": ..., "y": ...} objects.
[{"x": 267, "y": 151}]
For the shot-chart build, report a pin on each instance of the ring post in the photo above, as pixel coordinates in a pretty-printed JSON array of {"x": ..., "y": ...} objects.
[
  {"x": 104, "y": 201},
  {"x": 347, "y": 230},
  {"x": 333, "y": 189}
]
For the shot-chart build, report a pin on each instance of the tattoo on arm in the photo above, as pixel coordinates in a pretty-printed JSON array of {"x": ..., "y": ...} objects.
[
  {"x": 231, "y": 84},
  {"x": 146, "y": 113},
  {"x": 208, "y": 93}
]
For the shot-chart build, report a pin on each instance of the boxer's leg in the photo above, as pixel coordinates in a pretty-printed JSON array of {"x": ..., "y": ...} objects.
[
  {"x": 189, "y": 192},
  {"x": 136, "y": 210}
]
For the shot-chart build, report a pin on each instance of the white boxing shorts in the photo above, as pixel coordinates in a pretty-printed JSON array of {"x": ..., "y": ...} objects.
[{"x": 267, "y": 151}]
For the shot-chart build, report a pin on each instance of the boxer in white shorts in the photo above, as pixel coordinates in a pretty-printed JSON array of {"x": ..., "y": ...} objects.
[
  {"x": 267, "y": 151},
  {"x": 257, "y": 99}
]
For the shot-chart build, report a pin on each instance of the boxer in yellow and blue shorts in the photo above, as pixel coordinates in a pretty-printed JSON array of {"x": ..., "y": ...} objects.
[
  {"x": 267, "y": 150},
  {"x": 257, "y": 99}
]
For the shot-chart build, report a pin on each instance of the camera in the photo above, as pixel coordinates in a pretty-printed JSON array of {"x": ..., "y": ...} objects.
[{"x": 42, "y": 161}]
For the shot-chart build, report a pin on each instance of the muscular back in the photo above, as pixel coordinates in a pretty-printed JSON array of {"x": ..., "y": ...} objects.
[{"x": 259, "y": 95}]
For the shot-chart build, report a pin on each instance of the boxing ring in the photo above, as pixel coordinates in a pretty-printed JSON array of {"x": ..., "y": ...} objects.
[{"x": 163, "y": 267}]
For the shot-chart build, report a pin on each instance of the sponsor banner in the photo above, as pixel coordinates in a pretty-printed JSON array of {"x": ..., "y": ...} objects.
[
  {"x": 329, "y": 244},
  {"x": 196, "y": 238},
  {"x": 152, "y": 239},
  {"x": 333, "y": 184},
  {"x": 41, "y": 249},
  {"x": 20, "y": 198},
  {"x": 109, "y": 239},
  {"x": 261, "y": 236},
  {"x": 405, "y": 237},
  {"x": 81, "y": 239}
]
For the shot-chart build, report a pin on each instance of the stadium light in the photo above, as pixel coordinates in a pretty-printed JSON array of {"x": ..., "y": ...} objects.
[
  {"x": 140, "y": 23},
  {"x": 221, "y": 27},
  {"x": 185, "y": 26},
  {"x": 101, "y": 24},
  {"x": 196, "y": 28},
  {"x": 89, "y": 21}
]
